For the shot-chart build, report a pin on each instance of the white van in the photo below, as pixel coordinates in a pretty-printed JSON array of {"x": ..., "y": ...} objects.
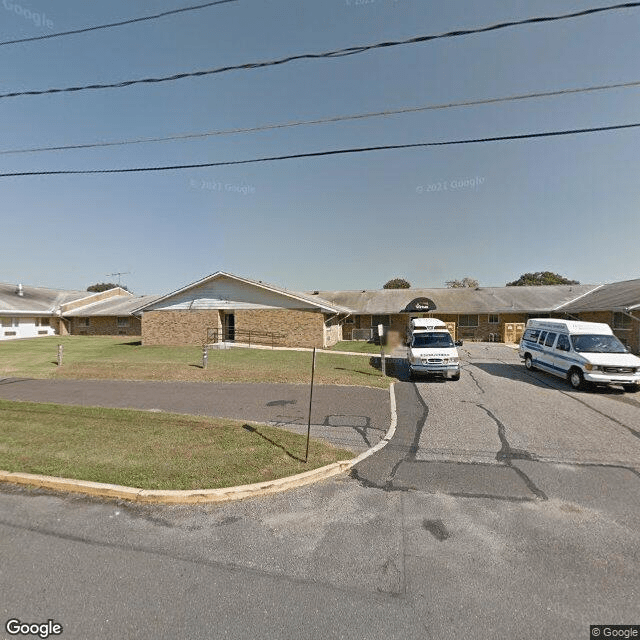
[
  {"x": 432, "y": 350},
  {"x": 581, "y": 352}
]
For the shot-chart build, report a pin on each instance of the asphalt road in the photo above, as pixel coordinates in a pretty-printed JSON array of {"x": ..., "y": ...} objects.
[
  {"x": 355, "y": 418},
  {"x": 506, "y": 506}
]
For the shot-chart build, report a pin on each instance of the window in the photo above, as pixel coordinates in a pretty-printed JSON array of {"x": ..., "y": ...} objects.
[
  {"x": 123, "y": 322},
  {"x": 494, "y": 318},
  {"x": 621, "y": 321},
  {"x": 542, "y": 338},
  {"x": 531, "y": 334},
  {"x": 550, "y": 339},
  {"x": 563, "y": 343},
  {"x": 468, "y": 321},
  {"x": 10, "y": 322},
  {"x": 83, "y": 322},
  {"x": 42, "y": 322},
  {"x": 349, "y": 320},
  {"x": 376, "y": 320}
]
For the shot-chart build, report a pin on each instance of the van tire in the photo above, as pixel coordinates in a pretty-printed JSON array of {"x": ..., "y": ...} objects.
[
  {"x": 456, "y": 376},
  {"x": 528, "y": 362},
  {"x": 576, "y": 379},
  {"x": 631, "y": 388}
]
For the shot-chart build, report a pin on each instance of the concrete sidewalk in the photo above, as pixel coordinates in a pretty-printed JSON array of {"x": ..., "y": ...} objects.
[{"x": 354, "y": 418}]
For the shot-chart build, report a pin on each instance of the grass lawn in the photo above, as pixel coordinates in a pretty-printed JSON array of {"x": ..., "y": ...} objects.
[
  {"x": 359, "y": 346},
  {"x": 150, "y": 450},
  {"x": 99, "y": 357}
]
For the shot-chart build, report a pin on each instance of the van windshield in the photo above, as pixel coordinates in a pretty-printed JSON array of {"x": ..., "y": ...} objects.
[
  {"x": 437, "y": 340},
  {"x": 598, "y": 344}
]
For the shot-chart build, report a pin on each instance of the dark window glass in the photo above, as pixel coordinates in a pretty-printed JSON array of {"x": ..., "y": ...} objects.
[
  {"x": 563, "y": 343},
  {"x": 550, "y": 338}
]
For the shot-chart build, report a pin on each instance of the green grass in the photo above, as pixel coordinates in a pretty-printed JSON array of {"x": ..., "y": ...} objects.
[
  {"x": 150, "y": 450},
  {"x": 356, "y": 346},
  {"x": 98, "y": 357}
]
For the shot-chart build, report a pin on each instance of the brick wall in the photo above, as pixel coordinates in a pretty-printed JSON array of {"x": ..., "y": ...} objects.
[
  {"x": 299, "y": 328},
  {"x": 178, "y": 327},
  {"x": 103, "y": 326}
]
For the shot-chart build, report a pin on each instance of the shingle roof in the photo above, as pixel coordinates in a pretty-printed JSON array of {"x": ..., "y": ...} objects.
[
  {"x": 482, "y": 300},
  {"x": 119, "y": 306},
  {"x": 609, "y": 297},
  {"x": 38, "y": 300}
]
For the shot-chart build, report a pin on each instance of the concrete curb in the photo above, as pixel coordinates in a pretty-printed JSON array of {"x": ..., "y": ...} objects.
[{"x": 199, "y": 496}]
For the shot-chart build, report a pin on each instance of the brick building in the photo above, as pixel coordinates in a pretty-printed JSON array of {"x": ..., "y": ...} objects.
[{"x": 225, "y": 307}]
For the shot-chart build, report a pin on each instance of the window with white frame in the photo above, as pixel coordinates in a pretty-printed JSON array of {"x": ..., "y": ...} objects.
[{"x": 494, "y": 318}]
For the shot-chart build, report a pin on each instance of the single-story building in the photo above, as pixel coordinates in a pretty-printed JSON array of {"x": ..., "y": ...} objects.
[
  {"x": 31, "y": 312},
  {"x": 225, "y": 307}
]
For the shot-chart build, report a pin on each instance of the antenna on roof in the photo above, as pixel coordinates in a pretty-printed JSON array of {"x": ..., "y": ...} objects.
[{"x": 119, "y": 273}]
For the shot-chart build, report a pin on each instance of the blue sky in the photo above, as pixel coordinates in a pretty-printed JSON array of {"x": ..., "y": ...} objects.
[{"x": 566, "y": 204}]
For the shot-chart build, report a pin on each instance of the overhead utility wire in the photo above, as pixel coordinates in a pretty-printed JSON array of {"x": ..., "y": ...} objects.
[
  {"x": 333, "y": 152},
  {"x": 117, "y": 24},
  {"x": 299, "y": 123},
  {"x": 337, "y": 53}
]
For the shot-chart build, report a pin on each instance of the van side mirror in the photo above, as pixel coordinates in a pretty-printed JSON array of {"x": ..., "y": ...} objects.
[{"x": 458, "y": 343}]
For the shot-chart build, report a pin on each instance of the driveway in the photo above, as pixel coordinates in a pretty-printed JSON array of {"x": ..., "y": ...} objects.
[
  {"x": 506, "y": 506},
  {"x": 355, "y": 418}
]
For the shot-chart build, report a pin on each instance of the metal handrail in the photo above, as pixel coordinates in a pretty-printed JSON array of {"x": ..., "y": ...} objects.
[{"x": 215, "y": 335}]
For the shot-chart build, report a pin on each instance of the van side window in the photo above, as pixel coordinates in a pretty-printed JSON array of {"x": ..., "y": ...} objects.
[
  {"x": 550, "y": 339},
  {"x": 532, "y": 334},
  {"x": 542, "y": 337},
  {"x": 563, "y": 343}
]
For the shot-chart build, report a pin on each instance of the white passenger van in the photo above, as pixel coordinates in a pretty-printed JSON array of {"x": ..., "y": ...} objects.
[
  {"x": 581, "y": 352},
  {"x": 432, "y": 350}
]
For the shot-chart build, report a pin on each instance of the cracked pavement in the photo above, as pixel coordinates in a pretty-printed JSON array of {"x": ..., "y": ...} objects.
[{"x": 506, "y": 505}]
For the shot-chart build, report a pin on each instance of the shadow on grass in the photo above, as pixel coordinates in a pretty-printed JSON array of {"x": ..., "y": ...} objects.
[
  {"x": 135, "y": 343},
  {"x": 252, "y": 429},
  {"x": 366, "y": 373}
]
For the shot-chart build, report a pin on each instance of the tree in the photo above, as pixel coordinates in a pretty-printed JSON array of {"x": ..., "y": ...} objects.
[
  {"x": 465, "y": 283},
  {"x": 540, "y": 278},
  {"x": 397, "y": 283},
  {"x": 105, "y": 286}
]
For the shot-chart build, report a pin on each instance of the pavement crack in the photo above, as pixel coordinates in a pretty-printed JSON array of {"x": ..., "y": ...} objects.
[
  {"x": 475, "y": 380},
  {"x": 507, "y": 454}
]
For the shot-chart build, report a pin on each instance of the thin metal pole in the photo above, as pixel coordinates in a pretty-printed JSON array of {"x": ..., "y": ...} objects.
[{"x": 313, "y": 369}]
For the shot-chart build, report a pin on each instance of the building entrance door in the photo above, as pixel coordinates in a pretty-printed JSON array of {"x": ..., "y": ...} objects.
[{"x": 229, "y": 327}]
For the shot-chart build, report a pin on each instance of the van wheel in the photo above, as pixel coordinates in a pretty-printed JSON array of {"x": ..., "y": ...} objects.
[
  {"x": 631, "y": 388},
  {"x": 576, "y": 379},
  {"x": 528, "y": 362},
  {"x": 456, "y": 376}
]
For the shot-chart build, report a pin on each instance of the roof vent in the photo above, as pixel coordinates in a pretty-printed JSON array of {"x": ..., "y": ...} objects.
[{"x": 19, "y": 291}]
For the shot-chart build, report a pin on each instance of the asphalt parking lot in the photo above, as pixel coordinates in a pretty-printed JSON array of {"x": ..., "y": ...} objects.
[{"x": 507, "y": 505}]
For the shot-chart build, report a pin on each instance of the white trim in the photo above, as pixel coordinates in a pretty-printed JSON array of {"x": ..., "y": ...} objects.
[
  {"x": 254, "y": 283},
  {"x": 564, "y": 304}
]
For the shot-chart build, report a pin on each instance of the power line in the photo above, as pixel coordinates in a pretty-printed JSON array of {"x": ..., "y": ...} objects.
[
  {"x": 117, "y": 24},
  {"x": 337, "y": 53},
  {"x": 333, "y": 152},
  {"x": 299, "y": 123}
]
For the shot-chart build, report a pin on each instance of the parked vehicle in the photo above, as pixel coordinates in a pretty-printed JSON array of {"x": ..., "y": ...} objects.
[
  {"x": 581, "y": 352},
  {"x": 432, "y": 349}
]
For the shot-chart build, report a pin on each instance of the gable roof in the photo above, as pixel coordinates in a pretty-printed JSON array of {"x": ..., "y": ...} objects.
[
  {"x": 35, "y": 300},
  {"x": 306, "y": 299},
  {"x": 621, "y": 296},
  {"x": 481, "y": 300},
  {"x": 118, "y": 306}
]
